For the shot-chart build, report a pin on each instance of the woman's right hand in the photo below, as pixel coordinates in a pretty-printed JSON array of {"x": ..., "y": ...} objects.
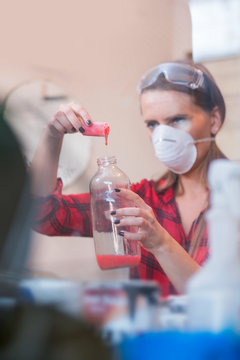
[{"x": 70, "y": 118}]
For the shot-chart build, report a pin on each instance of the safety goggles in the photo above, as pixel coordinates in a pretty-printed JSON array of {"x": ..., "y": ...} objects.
[{"x": 176, "y": 73}]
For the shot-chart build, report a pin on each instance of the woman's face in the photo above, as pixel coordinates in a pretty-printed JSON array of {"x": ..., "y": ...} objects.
[{"x": 177, "y": 109}]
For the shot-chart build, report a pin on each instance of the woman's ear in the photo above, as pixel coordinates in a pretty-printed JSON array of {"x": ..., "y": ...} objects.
[{"x": 216, "y": 121}]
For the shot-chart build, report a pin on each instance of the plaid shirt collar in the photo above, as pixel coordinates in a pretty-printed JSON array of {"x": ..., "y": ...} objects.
[{"x": 168, "y": 195}]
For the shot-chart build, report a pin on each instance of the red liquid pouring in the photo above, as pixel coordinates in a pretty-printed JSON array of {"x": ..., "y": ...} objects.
[
  {"x": 113, "y": 261},
  {"x": 98, "y": 129},
  {"x": 106, "y": 133}
]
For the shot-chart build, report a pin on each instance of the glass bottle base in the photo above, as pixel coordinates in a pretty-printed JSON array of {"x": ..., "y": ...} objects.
[{"x": 116, "y": 261}]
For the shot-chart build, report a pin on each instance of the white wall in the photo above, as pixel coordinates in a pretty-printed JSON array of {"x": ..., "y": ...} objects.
[
  {"x": 227, "y": 75},
  {"x": 97, "y": 50}
]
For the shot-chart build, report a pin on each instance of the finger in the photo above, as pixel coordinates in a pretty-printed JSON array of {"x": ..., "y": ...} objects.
[
  {"x": 80, "y": 111},
  {"x": 57, "y": 128},
  {"x": 73, "y": 121},
  {"x": 109, "y": 214},
  {"x": 61, "y": 127},
  {"x": 128, "y": 211},
  {"x": 138, "y": 236},
  {"x": 132, "y": 197},
  {"x": 61, "y": 118},
  {"x": 145, "y": 213},
  {"x": 131, "y": 221}
]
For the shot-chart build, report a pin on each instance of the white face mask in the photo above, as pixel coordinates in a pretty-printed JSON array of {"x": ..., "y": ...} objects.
[{"x": 175, "y": 148}]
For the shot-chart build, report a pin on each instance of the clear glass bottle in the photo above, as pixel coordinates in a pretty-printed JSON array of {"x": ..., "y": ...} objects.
[{"x": 112, "y": 249}]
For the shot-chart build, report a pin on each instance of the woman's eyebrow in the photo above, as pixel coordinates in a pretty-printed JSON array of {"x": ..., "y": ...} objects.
[
  {"x": 150, "y": 120},
  {"x": 176, "y": 116}
]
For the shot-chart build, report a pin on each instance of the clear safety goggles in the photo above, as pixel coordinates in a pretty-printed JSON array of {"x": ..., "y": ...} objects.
[{"x": 181, "y": 74}]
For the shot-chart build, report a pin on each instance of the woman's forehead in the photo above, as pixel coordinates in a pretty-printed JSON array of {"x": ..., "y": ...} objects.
[{"x": 166, "y": 102}]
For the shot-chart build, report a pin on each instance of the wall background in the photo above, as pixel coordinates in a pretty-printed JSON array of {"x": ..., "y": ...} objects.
[{"x": 97, "y": 50}]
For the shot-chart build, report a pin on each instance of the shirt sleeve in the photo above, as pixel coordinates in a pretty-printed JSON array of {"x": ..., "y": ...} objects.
[{"x": 58, "y": 214}]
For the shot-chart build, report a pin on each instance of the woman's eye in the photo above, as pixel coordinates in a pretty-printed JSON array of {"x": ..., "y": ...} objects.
[
  {"x": 181, "y": 123},
  {"x": 152, "y": 124},
  {"x": 178, "y": 120}
]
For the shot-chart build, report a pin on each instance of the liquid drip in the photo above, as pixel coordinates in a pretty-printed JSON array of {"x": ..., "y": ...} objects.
[
  {"x": 113, "y": 261},
  {"x": 106, "y": 133}
]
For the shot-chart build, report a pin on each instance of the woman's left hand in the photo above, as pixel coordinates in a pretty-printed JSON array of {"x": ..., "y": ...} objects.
[
  {"x": 150, "y": 233},
  {"x": 172, "y": 257}
]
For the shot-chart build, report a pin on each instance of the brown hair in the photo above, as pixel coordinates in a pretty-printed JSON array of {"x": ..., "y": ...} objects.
[{"x": 207, "y": 99}]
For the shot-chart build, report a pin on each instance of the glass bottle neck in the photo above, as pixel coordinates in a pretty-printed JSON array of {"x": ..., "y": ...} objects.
[{"x": 106, "y": 161}]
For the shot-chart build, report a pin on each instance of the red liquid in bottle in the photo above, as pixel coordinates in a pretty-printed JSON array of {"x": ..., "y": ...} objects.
[{"x": 113, "y": 261}]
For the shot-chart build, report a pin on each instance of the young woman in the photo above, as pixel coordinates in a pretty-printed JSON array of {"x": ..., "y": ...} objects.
[{"x": 183, "y": 110}]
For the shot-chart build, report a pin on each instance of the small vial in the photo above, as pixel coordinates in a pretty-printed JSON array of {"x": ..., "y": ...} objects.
[{"x": 98, "y": 129}]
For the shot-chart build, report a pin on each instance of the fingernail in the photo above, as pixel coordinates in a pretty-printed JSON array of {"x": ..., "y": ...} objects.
[
  {"x": 88, "y": 122},
  {"x": 81, "y": 129},
  {"x": 116, "y": 222},
  {"x": 117, "y": 190},
  {"x": 113, "y": 212},
  {"x": 73, "y": 129},
  {"x": 121, "y": 233}
]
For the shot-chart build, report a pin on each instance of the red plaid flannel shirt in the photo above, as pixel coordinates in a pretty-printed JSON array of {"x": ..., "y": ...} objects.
[{"x": 59, "y": 214}]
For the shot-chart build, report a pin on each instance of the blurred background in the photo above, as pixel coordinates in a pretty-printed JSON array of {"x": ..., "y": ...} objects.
[{"x": 95, "y": 53}]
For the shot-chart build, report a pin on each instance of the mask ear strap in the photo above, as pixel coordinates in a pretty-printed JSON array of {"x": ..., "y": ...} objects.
[{"x": 204, "y": 140}]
